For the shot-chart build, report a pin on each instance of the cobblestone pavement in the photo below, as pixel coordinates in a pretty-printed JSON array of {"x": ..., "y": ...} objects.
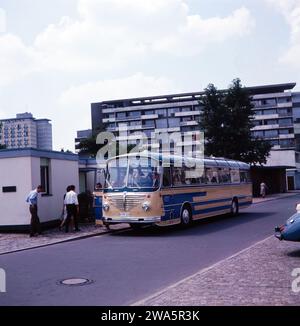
[
  {"x": 10, "y": 242},
  {"x": 259, "y": 275}
]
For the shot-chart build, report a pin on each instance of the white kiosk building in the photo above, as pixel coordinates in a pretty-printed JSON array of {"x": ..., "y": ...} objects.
[{"x": 22, "y": 170}]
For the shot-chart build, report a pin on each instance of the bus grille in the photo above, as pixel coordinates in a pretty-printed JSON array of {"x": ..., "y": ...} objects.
[{"x": 126, "y": 203}]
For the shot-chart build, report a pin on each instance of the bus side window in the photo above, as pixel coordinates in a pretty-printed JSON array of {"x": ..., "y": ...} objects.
[
  {"x": 193, "y": 176},
  {"x": 224, "y": 175},
  {"x": 235, "y": 175},
  {"x": 177, "y": 175},
  {"x": 212, "y": 175},
  {"x": 167, "y": 177},
  {"x": 245, "y": 176}
]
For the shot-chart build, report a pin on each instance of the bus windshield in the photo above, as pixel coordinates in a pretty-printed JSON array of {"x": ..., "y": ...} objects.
[{"x": 133, "y": 173}]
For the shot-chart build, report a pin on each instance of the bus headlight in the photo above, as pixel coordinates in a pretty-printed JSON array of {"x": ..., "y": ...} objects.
[
  {"x": 106, "y": 206},
  {"x": 146, "y": 206}
]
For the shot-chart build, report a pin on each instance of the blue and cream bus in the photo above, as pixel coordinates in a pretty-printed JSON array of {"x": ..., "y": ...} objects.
[{"x": 144, "y": 189}]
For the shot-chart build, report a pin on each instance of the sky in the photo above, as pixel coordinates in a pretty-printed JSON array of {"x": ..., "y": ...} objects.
[{"x": 58, "y": 56}]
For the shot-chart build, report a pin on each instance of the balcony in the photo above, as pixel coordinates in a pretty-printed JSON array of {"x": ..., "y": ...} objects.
[
  {"x": 187, "y": 114},
  {"x": 149, "y": 116},
  {"x": 287, "y": 136},
  {"x": 266, "y": 116},
  {"x": 188, "y": 123},
  {"x": 265, "y": 127}
]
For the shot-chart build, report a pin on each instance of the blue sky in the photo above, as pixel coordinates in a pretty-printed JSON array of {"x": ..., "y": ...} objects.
[{"x": 58, "y": 56}]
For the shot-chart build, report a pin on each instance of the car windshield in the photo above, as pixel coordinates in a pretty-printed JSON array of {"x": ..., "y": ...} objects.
[{"x": 133, "y": 173}]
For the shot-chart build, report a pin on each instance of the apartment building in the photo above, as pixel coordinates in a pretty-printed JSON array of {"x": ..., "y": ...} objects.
[
  {"x": 25, "y": 131},
  {"x": 276, "y": 110}
]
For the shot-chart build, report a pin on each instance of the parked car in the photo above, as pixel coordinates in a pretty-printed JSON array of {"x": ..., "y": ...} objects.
[{"x": 290, "y": 231}]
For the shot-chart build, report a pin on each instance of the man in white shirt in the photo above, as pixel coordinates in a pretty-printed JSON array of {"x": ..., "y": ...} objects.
[
  {"x": 71, "y": 202},
  {"x": 32, "y": 200}
]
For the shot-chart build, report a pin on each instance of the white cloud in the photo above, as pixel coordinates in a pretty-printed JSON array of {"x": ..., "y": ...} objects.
[
  {"x": 112, "y": 34},
  {"x": 74, "y": 103},
  {"x": 16, "y": 60},
  {"x": 290, "y": 9},
  {"x": 2, "y": 21},
  {"x": 198, "y": 33}
]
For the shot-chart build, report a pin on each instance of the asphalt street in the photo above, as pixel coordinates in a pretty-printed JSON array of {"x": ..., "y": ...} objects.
[{"x": 127, "y": 266}]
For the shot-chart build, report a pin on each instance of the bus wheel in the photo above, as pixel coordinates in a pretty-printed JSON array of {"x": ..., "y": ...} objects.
[
  {"x": 186, "y": 216},
  {"x": 234, "y": 211}
]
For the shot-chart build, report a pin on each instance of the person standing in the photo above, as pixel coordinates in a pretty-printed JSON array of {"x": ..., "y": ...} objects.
[
  {"x": 64, "y": 210},
  {"x": 72, "y": 205},
  {"x": 263, "y": 189},
  {"x": 32, "y": 199}
]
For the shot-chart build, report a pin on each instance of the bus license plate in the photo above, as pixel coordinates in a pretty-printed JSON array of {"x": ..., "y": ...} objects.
[{"x": 122, "y": 214}]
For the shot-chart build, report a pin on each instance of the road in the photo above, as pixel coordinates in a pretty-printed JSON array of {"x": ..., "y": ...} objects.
[{"x": 130, "y": 265}]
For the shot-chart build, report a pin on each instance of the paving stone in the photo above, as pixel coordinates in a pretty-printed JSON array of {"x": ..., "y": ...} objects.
[
  {"x": 261, "y": 275},
  {"x": 10, "y": 242}
]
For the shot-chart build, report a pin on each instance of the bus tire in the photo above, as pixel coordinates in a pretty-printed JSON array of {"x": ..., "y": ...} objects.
[
  {"x": 234, "y": 210},
  {"x": 186, "y": 216}
]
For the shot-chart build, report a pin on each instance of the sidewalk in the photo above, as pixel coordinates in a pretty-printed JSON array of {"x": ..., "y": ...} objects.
[
  {"x": 10, "y": 242},
  {"x": 257, "y": 200},
  {"x": 259, "y": 275}
]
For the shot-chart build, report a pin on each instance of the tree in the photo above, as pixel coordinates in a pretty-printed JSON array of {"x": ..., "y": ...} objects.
[
  {"x": 2, "y": 146},
  {"x": 90, "y": 148},
  {"x": 227, "y": 119}
]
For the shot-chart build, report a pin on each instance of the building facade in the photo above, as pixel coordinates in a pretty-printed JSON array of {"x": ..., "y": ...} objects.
[
  {"x": 276, "y": 110},
  {"x": 25, "y": 131},
  {"x": 82, "y": 135},
  {"x": 53, "y": 170}
]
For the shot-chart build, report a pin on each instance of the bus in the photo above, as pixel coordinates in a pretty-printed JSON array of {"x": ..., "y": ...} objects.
[{"x": 142, "y": 189}]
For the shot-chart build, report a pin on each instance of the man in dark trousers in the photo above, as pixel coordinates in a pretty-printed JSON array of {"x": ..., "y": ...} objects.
[
  {"x": 32, "y": 199},
  {"x": 72, "y": 205}
]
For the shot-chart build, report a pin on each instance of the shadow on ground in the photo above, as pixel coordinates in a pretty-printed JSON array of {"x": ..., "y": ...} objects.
[{"x": 204, "y": 226}]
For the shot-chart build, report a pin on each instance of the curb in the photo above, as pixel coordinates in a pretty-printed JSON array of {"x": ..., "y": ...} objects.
[
  {"x": 64, "y": 241},
  {"x": 279, "y": 198}
]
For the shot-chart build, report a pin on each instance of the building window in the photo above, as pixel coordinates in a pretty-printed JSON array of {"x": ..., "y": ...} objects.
[
  {"x": 135, "y": 123},
  {"x": 285, "y": 122},
  {"x": 271, "y": 122},
  {"x": 286, "y": 143},
  {"x": 272, "y": 111},
  {"x": 135, "y": 114},
  {"x": 274, "y": 142},
  {"x": 271, "y": 133},
  {"x": 121, "y": 115},
  {"x": 161, "y": 123},
  {"x": 45, "y": 175},
  {"x": 283, "y": 112},
  {"x": 149, "y": 123},
  {"x": 174, "y": 122},
  {"x": 271, "y": 101},
  {"x": 258, "y": 134},
  {"x": 284, "y": 99},
  {"x": 284, "y": 131},
  {"x": 149, "y": 112},
  {"x": 256, "y": 123},
  {"x": 171, "y": 112},
  {"x": 161, "y": 113},
  {"x": 186, "y": 109}
]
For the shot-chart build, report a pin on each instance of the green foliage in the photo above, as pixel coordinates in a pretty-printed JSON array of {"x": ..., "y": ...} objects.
[
  {"x": 90, "y": 148},
  {"x": 227, "y": 119}
]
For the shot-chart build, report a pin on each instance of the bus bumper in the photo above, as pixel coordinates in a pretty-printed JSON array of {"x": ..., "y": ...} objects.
[{"x": 131, "y": 219}]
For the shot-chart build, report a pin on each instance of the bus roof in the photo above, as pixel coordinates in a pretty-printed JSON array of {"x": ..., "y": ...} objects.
[{"x": 208, "y": 161}]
